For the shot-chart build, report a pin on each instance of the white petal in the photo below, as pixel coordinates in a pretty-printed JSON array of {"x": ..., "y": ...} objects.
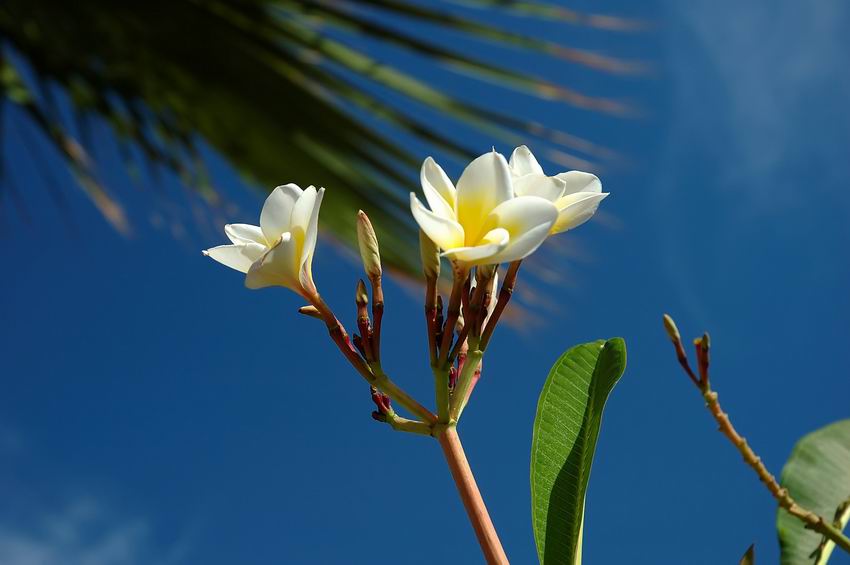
[
  {"x": 524, "y": 163},
  {"x": 275, "y": 217},
  {"x": 302, "y": 213},
  {"x": 491, "y": 244},
  {"x": 578, "y": 181},
  {"x": 309, "y": 245},
  {"x": 444, "y": 232},
  {"x": 244, "y": 233},
  {"x": 524, "y": 245},
  {"x": 523, "y": 213},
  {"x": 528, "y": 219},
  {"x": 484, "y": 184},
  {"x": 550, "y": 188},
  {"x": 254, "y": 251},
  {"x": 439, "y": 190},
  {"x": 239, "y": 257},
  {"x": 278, "y": 267},
  {"x": 576, "y": 209}
]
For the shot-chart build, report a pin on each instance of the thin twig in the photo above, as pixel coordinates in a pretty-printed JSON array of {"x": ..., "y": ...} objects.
[
  {"x": 374, "y": 375},
  {"x": 781, "y": 494},
  {"x": 811, "y": 520}
]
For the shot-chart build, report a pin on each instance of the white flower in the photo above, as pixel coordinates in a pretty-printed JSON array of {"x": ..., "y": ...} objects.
[
  {"x": 481, "y": 222},
  {"x": 280, "y": 251},
  {"x": 575, "y": 194}
]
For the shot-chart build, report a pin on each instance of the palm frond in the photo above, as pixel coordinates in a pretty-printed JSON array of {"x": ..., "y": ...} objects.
[{"x": 286, "y": 91}]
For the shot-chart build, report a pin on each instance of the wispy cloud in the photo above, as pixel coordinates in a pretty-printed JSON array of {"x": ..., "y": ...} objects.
[
  {"x": 766, "y": 82},
  {"x": 84, "y": 532},
  {"x": 756, "y": 121}
]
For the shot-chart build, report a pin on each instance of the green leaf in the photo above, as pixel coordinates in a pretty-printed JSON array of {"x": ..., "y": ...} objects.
[
  {"x": 817, "y": 476},
  {"x": 566, "y": 428},
  {"x": 749, "y": 557}
]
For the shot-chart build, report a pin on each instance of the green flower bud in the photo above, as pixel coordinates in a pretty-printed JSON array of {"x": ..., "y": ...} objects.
[
  {"x": 360, "y": 296},
  {"x": 672, "y": 330},
  {"x": 368, "y": 242}
]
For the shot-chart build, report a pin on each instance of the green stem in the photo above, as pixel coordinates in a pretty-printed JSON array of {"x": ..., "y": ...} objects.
[
  {"x": 464, "y": 380},
  {"x": 441, "y": 388},
  {"x": 383, "y": 383},
  {"x": 400, "y": 424}
]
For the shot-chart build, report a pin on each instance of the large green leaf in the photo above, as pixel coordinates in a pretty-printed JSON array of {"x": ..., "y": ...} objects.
[
  {"x": 817, "y": 475},
  {"x": 566, "y": 428}
]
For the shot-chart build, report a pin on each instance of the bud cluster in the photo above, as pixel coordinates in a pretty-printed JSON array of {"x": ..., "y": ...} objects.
[{"x": 702, "y": 346}]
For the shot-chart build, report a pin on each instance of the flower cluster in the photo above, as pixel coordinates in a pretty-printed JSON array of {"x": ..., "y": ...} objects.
[{"x": 498, "y": 212}]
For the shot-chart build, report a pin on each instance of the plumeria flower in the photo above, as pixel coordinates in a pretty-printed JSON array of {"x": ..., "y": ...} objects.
[
  {"x": 481, "y": 222},
  {"x": 575, "y": 194},
  {"x": 278, "y": 252}
]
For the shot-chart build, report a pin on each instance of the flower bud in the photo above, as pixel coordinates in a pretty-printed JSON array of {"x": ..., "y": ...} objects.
[
  {"x": 368, "y": 242},
  {"x": 311, "y": 311},
  {"x": 430, "y": 254},
  {"x": 672, "y": 330},
  {"x": 703, "y": 344},
  {"x": 360, "y": 295}
]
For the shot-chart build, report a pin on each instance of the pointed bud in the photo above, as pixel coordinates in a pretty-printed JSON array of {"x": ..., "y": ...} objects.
[
  {"x": 360, "y": 295},
  {"x": 703, "y": 345},
  {"x": 672, "y": 330},
  {"x": 311, "y": 311},
  {"x": 381, "y": 400},
  {"x": 430, "y": 255},
  {"x": 368, "y": 242}
]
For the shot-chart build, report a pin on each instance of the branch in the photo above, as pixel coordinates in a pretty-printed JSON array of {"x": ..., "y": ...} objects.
[
  {"x": 811, "y": 520},
  {"x": 374, "y": 375}
]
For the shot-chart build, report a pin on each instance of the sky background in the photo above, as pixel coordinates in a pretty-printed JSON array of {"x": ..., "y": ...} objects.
[{"x": 153, "y": 411}]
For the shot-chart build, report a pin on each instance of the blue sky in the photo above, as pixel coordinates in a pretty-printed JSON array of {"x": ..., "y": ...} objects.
[{"x": 155, "y": 411}]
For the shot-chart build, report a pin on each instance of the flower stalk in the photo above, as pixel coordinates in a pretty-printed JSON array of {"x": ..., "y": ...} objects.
[
  {"x": 476, "y": 510},
  {"x": 505, "y": 294}
]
